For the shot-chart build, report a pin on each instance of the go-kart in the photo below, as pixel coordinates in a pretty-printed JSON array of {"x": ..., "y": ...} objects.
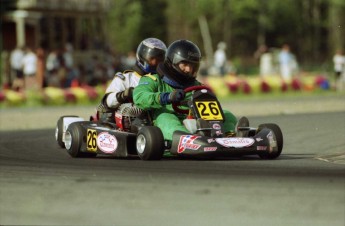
[{"x": 133, "y": 133}]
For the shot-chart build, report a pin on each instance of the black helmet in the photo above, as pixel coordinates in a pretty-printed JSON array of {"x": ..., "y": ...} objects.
[
  {"x": 150, "y": 48},
  {"x": 186, "y": 51}
]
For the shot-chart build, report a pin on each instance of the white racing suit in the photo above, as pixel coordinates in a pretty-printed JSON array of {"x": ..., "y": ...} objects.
[
  {"x": 113, "y": 98},
  {"x": 120, "y": 83}
]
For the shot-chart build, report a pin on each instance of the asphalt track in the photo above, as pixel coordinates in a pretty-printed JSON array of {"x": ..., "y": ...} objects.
[{"x": 40, "y": 184}]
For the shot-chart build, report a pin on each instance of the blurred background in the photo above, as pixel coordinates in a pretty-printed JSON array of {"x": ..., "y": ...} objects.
[{"x": 84, "y": 42}]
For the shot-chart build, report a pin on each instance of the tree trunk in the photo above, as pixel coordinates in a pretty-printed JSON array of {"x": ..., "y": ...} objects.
[
  {"x": 206, "y": 37},
  {"x": 336, "y": 26}
]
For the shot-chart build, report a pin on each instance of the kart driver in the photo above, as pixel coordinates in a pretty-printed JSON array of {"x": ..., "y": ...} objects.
[
  {"x": 157, "y": 92},
  {"x": 149, "y": 53}
]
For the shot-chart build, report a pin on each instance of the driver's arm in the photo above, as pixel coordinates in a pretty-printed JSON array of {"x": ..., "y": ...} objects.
[
  {"x": 119, "y": 84},
  {"x": 147, "y": 95}
]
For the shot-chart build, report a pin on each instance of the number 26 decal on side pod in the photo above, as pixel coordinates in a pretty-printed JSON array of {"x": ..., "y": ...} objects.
[{"x": 91, "y": 143}]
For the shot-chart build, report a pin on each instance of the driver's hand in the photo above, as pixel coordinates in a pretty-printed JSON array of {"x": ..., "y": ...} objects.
[
  {"x": 125, "y": 96},
  {"x": 176, "y": 96},
  {"x": 173, "y": 97}
]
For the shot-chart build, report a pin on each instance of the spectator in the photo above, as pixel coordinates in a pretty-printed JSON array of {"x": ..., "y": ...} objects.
[
  {"x": 71, "y": 73},
  {"x": 16, "y": 79},
  {"x": 266, "y": 62},
  {"x": 30, "y": 69},
  {"x": 339, "y": 68},
  {"x": 52, "y": 66},
  {"x": 220, "y": 59},
  {"x": 286, "y": 62},
  {"x": 68, "y": 56}
]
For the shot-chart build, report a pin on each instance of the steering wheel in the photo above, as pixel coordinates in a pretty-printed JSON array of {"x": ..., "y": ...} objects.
[{"x": 176, "y": 105}]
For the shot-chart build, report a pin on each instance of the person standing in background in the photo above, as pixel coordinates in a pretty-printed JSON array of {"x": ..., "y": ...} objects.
[
  {"x": 68, "y": 56},
  {"x": 220, "y": 59},
  {"x": 285, "y": 60},
  {"x": 339, "y": 68},
  {"x": 266, "y": 62},
  {"x": 52, "y": 66},
  {"x": 30, "y": 69},
  {"x": 16, "y": 79}
]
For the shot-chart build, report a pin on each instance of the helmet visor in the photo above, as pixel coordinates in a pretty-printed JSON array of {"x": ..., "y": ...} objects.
[
  {"x": 188, "y": 67},
  {"x": 154, "y": 53},
  {"x": 191, "y": 59}
]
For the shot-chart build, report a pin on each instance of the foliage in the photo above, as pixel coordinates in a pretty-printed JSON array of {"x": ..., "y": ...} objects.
[
  {"x": 129, "y": 22},
  {"x": 311, "y": 27},
  {"x": 123, "y": 24}
]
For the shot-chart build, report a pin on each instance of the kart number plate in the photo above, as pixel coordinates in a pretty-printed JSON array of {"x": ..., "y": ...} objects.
[
  {"x": 91, "y": 140},
  {"x": 209, "y": 110}
]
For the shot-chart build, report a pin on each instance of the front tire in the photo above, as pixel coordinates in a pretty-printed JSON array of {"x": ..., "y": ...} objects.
[
  {"x": 278, "y": 137},
  {"x": 73, "y": 140},
  {"x": 150, "y": 143}
]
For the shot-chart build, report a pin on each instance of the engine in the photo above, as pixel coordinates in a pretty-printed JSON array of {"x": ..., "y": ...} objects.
[{"x": 125, "y": 115}]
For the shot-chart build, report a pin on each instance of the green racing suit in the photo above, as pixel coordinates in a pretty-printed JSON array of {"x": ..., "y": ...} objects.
[{"x": 147, "y": 97}]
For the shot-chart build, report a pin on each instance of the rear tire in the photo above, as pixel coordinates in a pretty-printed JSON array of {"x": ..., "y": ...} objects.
[
  {"x": 74, "y": 137},
  {"x": 279, "y": 138},
  {"x": 150, "y": 143},
  {"x": 59, "y": 130}
]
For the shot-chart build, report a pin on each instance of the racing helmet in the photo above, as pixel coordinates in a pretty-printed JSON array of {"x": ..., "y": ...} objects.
[
  {"x": 150, "y": 48},
  {"x": 183, "y": 51}
]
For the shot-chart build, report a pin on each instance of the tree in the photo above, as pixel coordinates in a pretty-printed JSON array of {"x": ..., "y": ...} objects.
[
  {"x": 313, "y": 28},
  {"x": 123, "y": 25},
  {"x": 336, "y": 25}
]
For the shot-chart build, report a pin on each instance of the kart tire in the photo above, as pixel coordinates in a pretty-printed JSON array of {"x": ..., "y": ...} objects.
[
  {"x": 150, "y": 143},
  {"x": 59, "y": 130},
  {"x": 75, "y": 134},
  {"x": 279, "y": 138}
]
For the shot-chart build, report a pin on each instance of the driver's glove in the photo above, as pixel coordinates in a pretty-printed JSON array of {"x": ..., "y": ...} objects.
[
  {"x": 173, "y": 97},
  {"x": 125, "y": 96}
]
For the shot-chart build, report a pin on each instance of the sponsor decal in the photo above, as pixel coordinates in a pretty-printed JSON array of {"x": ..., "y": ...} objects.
[
  {"x": 206, "y": 149},
  {"x": 261, "y": 148},
  {"x": 193, "y": 54},
  {"x": 210, "y": 140},
  {"x": 186, "y": 142},
  {"x": 106, "y": 142},
  {"x": 216, "y": 126},
  {"x": 258, "y": 139},
  {"x": 143, "y": 83},
  {"x": 219, "y": 132},
  {"x": 235, "y": 142}
]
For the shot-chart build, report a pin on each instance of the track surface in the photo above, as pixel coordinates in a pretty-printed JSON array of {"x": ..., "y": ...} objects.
[{"x": 41, "y": 184}]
